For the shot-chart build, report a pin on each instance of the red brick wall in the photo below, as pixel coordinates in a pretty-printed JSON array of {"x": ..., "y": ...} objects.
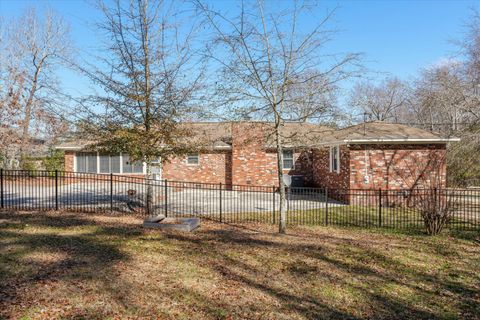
[
  {"x": 69, "y": 162},
  {"x": 397, "y": 166},
  {"x": 213, "y": 167},
  {"x": 322, "y": 176},
  {"x": 253, "y": 164}
]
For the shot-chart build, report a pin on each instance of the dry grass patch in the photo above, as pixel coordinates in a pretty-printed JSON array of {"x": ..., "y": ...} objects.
[{"x": 73, "y": 266}]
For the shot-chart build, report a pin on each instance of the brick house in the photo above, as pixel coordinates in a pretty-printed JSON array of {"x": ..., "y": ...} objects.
[{"x": 372, "y": 155}]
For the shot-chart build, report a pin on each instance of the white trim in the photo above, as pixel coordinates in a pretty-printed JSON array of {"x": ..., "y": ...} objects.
[
  {"x": 414, "y": 140},
  {"x": 391, "y": 141},
  {"x": 69, "y": 148},
  {"x": 144, "y": 167},
  {"x": 331, "y": 158},
  {"x": 293, "y": 158},
  {"x": 193, "y": 164},
  {"x": 98, "y": 163},
  {"x": 121, "y": 163},
  {"x": 222, "y": 148}
]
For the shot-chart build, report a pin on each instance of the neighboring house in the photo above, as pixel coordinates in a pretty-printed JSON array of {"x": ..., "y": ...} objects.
[{"x": 372, "y": 155}]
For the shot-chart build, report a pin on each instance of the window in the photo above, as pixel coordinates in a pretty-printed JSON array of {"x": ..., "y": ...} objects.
[
  {"x": 335, "y": 159},
  {"x": 109, "y": 163},
  {"x": 104, "y": 163},
  {"x": 193, "y": 159},
  {"x": 288, "y": 159},
  {"x": 131, "y": 167},
  {"x": 87, "y": 162}
]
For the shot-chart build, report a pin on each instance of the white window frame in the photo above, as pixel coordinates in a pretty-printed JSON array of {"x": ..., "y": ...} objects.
[
  {"x": 193, "y": 164},
  {"x": 293, "y": 159},
  {"x": 336, "y": 150},
  {"x": 144, "y": 166}
]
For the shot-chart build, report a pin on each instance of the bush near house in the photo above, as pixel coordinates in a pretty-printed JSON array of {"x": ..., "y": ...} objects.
[{"x": 54, "y": 161}]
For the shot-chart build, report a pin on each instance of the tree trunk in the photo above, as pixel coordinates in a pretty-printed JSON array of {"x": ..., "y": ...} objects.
[
  {"x": 149, "y": 196},
  {"x": 282, "y": 224},
  {"x": 28, "y": 113}
]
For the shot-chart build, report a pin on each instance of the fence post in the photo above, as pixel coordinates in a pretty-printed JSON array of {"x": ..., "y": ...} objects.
[
  {"x": 56, "y": 190},
  {"x": 1, "y": 189},
  {"x": 111, "y": 192},
  {"x": 166, "y": 198},
  {"x": 273, "y": 204},
  {"x": 326, "y": 206},
  {"x": 379, "y": 207},
  {"x": 221, "y": 220}
]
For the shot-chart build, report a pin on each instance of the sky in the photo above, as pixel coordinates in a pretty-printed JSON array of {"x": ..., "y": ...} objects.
[{"x": 397, "y": 38}]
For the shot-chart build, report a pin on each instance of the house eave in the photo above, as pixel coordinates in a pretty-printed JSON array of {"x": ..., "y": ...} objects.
[
  {"x": 69, "y": 148},
  {"x": 79, "y": 148},
  {"x": 402, "y": 140},
  {"x": 389, "y": 141}
]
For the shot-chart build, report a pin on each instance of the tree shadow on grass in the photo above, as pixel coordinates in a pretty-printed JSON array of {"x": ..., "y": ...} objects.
[
  {"x": 383, "y": 304},
  {"x": 38, "y": 255}
]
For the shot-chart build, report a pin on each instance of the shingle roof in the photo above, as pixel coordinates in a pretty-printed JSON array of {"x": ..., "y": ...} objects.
[
  {"x": 300, "y": 134},
  {"x": 209, "y": 134},
  {"x": 74, "y": 144},
  {"x": 218, "y": 135},
  {"x": 383, "y": 132}
]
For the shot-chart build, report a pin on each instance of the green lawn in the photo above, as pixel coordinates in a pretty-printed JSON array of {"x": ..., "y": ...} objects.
[
  {"x": 74, "y": 266},
  {"x": 353, "y": 216}
]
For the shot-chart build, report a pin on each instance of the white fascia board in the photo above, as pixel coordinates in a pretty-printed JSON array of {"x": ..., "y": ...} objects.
[
  {"x": 402, "y": 140},
  {"x": 392, "y": 141},
  {"x": 222, "y": 148},
  {"x": 69, "y": 148}
]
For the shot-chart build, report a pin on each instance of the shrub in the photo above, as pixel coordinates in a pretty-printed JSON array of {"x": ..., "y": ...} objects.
[
  {"x": 29, "y": 165},
  {"x": 54, "y": 161},
  {"x": 436, "y": 209}
]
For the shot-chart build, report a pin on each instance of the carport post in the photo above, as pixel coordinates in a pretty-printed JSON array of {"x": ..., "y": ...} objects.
[
  {"x": 221, "y": 220},
  {"x": 1, "y": 188},
  {"x": 166, "y": 198},
  {"x": 56, "y": 190},
  {"x": 326, "y": 206}
]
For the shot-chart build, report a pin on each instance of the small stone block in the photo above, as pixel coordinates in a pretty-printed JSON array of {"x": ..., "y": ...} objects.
[
  {"x": 181, "y": 224},
  {"x": 156, "y": 218}
]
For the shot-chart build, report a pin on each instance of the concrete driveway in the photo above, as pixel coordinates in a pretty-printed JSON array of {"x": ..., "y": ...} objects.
[{"x": 183, "y": 201}]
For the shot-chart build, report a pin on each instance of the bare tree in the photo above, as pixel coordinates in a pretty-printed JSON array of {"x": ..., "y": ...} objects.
[
  {"x": 31, "y": 49},
  {"x": 384, "y": 102},
  {"x": 313, "y": 98},
  {"x": 148, "y": 79},
  {"x": 442, "y": 97},
  {"x": 266, "y": 63}
]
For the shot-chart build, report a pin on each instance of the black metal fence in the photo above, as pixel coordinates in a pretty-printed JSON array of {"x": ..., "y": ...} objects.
[{"x": 59, "y": 190}]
